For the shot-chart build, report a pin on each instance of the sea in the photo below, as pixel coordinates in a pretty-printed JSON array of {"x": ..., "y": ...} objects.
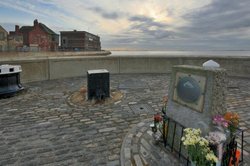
[{"x": 182, "y": 53}]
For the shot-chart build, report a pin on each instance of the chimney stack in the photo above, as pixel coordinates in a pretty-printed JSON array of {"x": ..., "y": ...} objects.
[
  {"x": 35, "y": 22},
  {"x": 17, "y": 28}
]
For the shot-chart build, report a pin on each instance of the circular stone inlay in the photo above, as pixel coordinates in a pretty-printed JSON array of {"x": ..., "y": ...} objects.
[{"x": 188, "y": 89}]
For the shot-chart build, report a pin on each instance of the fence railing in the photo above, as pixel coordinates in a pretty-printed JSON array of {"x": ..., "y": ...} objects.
[{"x": 172, "y": 132}]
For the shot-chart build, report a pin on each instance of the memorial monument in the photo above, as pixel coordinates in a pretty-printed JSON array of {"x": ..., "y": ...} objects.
[{"x": 196, "y": 94}]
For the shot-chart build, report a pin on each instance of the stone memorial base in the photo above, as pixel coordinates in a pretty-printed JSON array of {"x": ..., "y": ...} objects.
[{"x": 197, "y": 94}]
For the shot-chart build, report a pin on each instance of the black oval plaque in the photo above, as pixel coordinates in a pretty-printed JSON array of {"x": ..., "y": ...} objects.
[{"x": 188, "y": 89}]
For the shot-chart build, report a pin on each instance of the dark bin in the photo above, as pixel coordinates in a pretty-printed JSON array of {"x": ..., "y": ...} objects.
[{"x": 98, "y": 84}]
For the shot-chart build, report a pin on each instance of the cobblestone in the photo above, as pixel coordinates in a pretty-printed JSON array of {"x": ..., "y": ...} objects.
[
  {"x": 40, "y": 127},
  {"x": 107, "y": 129}
]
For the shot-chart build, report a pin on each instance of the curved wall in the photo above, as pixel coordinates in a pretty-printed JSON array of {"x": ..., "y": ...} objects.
[{"x": 46, "y": 68}]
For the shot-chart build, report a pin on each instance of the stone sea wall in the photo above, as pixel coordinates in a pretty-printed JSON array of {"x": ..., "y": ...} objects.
[{"x": 38, "y": 68}]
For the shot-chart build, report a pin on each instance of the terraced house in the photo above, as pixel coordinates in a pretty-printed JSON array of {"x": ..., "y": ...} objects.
[
  {"x": 39, "y": 37},
  {"x": 15, "y": 40},
  {"x": 3, "y": 39}
]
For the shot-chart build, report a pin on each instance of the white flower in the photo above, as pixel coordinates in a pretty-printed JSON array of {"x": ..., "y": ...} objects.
[
  {"x": 211, "y": 157},
  {"x": 216, "y": 137},
  {"x": 197, "y": 146}
]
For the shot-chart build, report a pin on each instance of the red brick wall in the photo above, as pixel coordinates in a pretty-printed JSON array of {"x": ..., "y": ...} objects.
[{"x": 41, "y": 38}]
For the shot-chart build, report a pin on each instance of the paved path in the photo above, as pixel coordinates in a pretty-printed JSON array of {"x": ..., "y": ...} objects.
[
  {"x": 140, "y": 149},
  {"x": 40, "y": 127}
]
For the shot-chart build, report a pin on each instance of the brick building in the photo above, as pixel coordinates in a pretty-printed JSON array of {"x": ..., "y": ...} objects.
[
  {"x": 3, "y": 39},
  {"x": 39, "y": 37},
  {"x": 80, "y": 40},
  {"x": 15, "y": 40}
]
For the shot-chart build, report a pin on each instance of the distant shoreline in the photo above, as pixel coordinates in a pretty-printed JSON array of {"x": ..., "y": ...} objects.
[
  {"x": 229, "y": 54},
  {"x": 182, "y": 53},
  {"x": 54, "y": 54}
]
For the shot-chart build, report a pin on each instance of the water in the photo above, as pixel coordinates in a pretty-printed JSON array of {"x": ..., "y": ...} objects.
[{"x": 181, "y": 53}]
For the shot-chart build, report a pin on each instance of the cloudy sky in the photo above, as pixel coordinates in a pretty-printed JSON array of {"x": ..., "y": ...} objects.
[{"x": 141, "y": 24}]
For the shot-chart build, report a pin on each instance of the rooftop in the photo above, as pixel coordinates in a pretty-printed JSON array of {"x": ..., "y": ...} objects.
[
  {"x": 77, "y": 32},
  {"x": 41, "y": 126},
  {"x": 43, "y": 26}
]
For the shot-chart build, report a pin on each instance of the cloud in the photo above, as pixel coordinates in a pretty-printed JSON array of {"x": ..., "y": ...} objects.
[
  {"x": 150, "y": 28},
  {"x": 158, "y": 24},
  {"x": 105, "y": 14},
  {"x": 63, "y": 14},
  {"x": 221, "y": 18},
  {"x": 141, "y": 19},
  {"x": 19, "y": 6}
]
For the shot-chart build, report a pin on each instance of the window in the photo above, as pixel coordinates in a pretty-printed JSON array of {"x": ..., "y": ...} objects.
[
  {"x": 64, "y": 41},
  {"x": 10, "y": 38},
  {"x": 19, "y": 38},
  {"x": 1, "y": 36}
]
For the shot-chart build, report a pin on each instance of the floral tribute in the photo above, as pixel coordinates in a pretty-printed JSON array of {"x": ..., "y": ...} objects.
[
  {"x": 233, "y": 121},
  {"x": 216, "y": 140},
  {"x": 157, "y": 118},
  {"x": 227, "y": 123},
  {"x": 198, "y": 148},
  {"x": 219, "y": 120},
  {"x": 159, "y": 126}
]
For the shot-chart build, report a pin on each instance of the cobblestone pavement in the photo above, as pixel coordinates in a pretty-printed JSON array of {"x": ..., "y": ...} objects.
[
  {"x": 39, "y": 126},
  {"x": 140, "y": 149}
]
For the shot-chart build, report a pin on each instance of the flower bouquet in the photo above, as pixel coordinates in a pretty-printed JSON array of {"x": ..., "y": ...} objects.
[
  {"x": 233, "y": 121},
  {"x": 198, "y": 148},
  {"x": 216, "y": 141},
  {"x": 222, "y": 138},
  {"x": 228, "y": 122},
  {"x": 156, "y": 127},
  {"x": 220, "y": 123},
  {"x": 158, "y": 118}
]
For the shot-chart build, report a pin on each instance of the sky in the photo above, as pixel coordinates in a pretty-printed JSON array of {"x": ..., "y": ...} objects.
[{"x": 141, "y": 24}]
